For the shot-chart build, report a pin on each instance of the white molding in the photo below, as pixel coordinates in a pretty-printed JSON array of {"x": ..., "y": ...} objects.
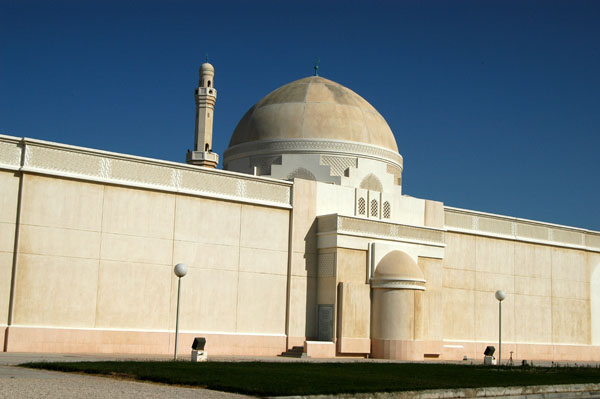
[
  {"x": 398, "y": 283},
  {"x": 12, "y": 168},
  {"x": 148, "y": 331}
]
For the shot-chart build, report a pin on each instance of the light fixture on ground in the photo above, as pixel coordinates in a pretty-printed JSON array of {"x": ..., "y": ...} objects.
[
  {"x": 180, "y": 271},
  {"x": 500, "y": 295}
]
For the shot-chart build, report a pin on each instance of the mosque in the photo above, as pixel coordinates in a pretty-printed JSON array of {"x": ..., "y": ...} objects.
[{"x": 303, "y": 243}]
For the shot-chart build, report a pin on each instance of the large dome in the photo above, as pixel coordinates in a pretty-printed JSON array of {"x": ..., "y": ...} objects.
[
  {"x": 314, "y": 108},
  {"x": 316, "y": 129}
]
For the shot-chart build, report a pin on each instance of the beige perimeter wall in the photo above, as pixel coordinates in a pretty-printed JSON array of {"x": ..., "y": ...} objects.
[
  {"x": 548, "y": 296},
  {"x": 100, "y": 257}
]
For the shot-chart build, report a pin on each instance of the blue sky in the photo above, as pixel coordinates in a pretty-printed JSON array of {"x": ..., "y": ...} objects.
[{"x": 495, "y": 104}]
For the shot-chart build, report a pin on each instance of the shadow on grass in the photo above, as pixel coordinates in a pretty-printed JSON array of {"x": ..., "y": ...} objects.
[{"x": 273, "y": 379}]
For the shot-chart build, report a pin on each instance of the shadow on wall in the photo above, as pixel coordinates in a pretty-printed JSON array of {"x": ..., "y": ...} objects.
[{"x": 310, "y": 254}]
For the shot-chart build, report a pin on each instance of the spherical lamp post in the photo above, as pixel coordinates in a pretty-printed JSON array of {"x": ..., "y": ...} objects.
[
  {"x": 500, "y": 295},
  {"x": 180, "y": 271}
]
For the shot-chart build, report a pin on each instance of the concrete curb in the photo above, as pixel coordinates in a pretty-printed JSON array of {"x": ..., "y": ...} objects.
[{"x": 530, "y": 392}]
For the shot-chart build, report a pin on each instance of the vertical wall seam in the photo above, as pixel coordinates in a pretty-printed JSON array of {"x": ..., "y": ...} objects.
[
  {"x": 551, "y": 300},
  {"x": 237, "y": 287},
  {"x": 475, "y": 294},
  {"x": 13, "y": 278},
  {"x": 171, "y": 274},
  {"x": 100, "y": 252},
  {"x": 288, "y": 293}
]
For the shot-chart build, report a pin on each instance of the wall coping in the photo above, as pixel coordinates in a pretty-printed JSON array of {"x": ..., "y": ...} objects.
[
  {"x": 53, "y": 159},
  {"x": 518, "y": 229}
]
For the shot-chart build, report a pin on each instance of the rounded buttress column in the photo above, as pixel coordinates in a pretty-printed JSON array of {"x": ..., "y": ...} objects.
[{"x": 396, "y": 323}]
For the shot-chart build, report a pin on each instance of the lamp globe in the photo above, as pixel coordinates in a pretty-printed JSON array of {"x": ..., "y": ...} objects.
[
  {"x": 180, "y": 270},
  {"x": 500, "y": 295}
]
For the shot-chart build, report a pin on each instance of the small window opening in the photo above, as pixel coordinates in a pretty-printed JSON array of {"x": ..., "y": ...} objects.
[
  {"x": 206, "y": 147},
  {"x": 362, "y": 208},
  {"x": 374, "y": 208},
  {"x": 209, "y": 83},
  {"x": 387, "y": 210}
]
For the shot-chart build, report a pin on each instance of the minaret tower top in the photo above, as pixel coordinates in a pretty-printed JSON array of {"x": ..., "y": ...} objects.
[{"x": 206, "y": 96}]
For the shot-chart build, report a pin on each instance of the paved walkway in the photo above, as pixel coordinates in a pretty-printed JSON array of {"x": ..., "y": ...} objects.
[{"x": 19, "y": 382}]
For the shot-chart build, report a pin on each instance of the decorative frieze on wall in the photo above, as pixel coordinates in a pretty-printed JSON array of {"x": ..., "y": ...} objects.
[
  {"x": 375, "y": 229},
  {"x": 592, "y": 240},
  {"x": 327, "y": 223},
  {"x": 473, "y": 222},
  {"x": 334, "y": 147},
  {"x": 101, "y": 166},
  {"x": 326, "y": 264},
  {"x": 497, "y": 226},
  {"x": 398, "y": 284},
  {"x": 460, "y": 220},
  {"x": 10, "y": 152},
  {"x": 339, "y": 165}
]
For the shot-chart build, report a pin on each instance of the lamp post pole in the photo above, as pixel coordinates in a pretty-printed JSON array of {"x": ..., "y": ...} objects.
[
  {"x": 180, "y": 271},
  {"x": 500, "y": 295},
  {"x": 499, "y": 332}
]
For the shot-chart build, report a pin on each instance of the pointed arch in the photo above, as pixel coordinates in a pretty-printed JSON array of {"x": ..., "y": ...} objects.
[
  {"x": 371, "y": 182},
  {"x": 301, "y": 173}
]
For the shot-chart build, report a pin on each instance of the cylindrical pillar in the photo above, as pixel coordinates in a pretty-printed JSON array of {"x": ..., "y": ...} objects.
[{"x": 397, "y": 321}]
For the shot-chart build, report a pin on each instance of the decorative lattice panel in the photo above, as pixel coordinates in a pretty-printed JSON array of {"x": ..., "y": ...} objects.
[
  {"x": 374, "y": 208},
  {"x": 367, "y": 227},
  {"x": 327, "y": 223},
  {"x": 63, "y": 161},
  {"x": 532, "y": 231},
  {"x": 10, "y": 153},
  {"x": 592, "y": 240},
  {"x": 459, "y": 220},
  {"x": 387, "y": 210},
  {"x": 494, "y": 225},
  {"x": 141, "y": 172},
  {"x": 568, "y": 237},
  {"x": 326, "y": 264},
  {"x": 362, "y": 206},
  {"x": 338, "y": 165}
]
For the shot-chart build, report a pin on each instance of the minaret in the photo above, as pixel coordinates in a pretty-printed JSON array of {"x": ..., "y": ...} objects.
[{"x": 205, "y": 95}]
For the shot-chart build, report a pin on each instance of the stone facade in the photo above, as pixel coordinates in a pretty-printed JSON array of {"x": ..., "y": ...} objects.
[{"x": 311, "y": 244}]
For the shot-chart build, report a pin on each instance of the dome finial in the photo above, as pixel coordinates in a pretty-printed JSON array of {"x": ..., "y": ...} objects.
[
  {"x": 206, "y": 58},
  {"x": 317, "y": 62}
]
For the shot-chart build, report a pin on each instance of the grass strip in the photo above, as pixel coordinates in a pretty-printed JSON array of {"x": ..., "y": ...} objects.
[{"x": 276, "y": 378}]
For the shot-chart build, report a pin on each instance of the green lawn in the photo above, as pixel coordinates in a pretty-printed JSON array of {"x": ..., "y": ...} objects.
[{"x": 272, "y": 379}]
